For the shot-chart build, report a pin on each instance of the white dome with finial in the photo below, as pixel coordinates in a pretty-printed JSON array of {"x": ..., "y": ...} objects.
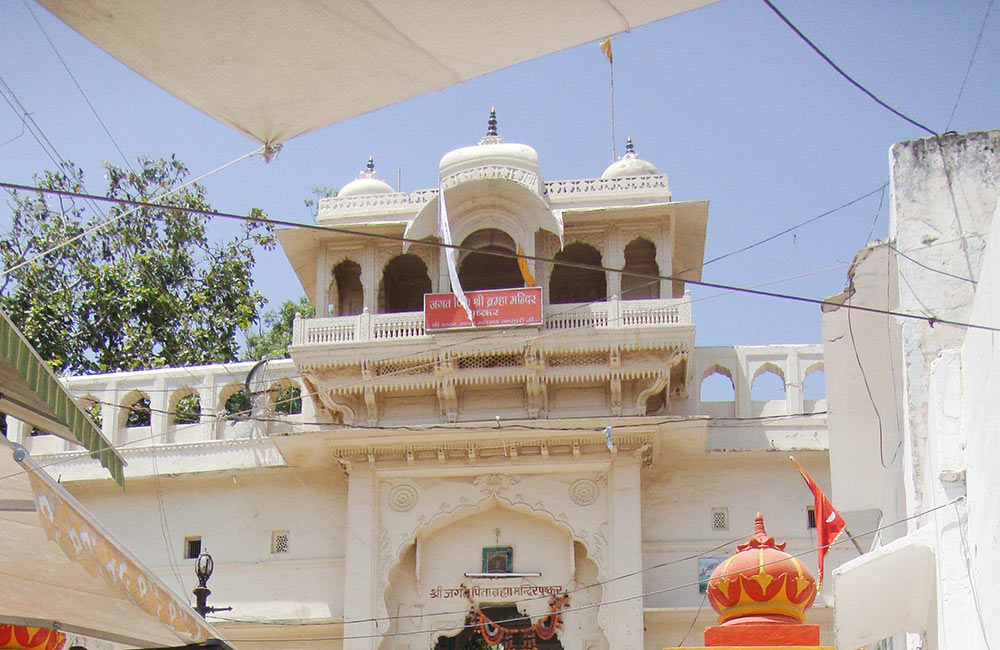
[
  {"x": 630, "y": 165},
  {"x": 492, "y": 151},
  {"x": 366, "y": 183}
]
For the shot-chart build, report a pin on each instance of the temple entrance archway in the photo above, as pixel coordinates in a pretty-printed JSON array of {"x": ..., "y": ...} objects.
[
  {"x": 472, "y": 638},
  {"x": 479, "y": 270}
]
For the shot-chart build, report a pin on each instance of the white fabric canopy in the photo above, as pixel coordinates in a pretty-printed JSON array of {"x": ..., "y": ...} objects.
[
  {"x": 61, "y": 569},
  {"x": 275, "y": 70}
]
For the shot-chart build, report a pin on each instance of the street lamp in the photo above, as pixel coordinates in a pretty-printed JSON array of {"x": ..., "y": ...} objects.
[{"x": 203, "y": 569}]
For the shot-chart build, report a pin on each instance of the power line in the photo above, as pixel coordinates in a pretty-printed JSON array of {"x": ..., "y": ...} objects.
[
  {"x": 931, "y": 319},
  {"x": 788, "y": 230},
  {"x": 972, "y": 59},
  {"x": 76, "y": 83},
  {"x": 841, "y": 71}
]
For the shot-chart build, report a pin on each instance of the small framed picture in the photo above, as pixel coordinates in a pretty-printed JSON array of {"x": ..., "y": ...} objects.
[
  {"x": 705, "y": 567},
  {"x": 498, "y": 559}
]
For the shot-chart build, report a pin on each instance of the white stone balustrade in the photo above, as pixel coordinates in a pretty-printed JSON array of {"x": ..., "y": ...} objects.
[
  {"x": 115, "y": 393},
  {"x": 559, "y": 194},
  {"x": 613, "y": 314}
]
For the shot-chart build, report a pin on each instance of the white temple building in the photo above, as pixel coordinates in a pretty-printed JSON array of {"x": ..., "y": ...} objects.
[{"x": 391, "y": 460}]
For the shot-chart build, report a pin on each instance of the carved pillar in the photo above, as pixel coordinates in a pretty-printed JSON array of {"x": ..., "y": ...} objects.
[
  {"x": 741, "y": 385},
  {"x": 622, "y": 621},
  {"x": 615, "y": 259},
  {"x": 370, "y": 277},
  {"x": 323, "y": 279},
  {"x": 360, "y": 570}
]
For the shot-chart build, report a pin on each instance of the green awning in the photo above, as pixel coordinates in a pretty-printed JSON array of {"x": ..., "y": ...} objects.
[{"x": 30, "y": 392}]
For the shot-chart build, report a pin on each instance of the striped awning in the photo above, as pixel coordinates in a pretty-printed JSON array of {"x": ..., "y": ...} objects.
[{"x": 30, "y": 392}]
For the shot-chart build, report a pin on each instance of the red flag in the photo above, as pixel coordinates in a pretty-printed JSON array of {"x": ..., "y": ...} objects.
[{"x": 829, "y": 523}]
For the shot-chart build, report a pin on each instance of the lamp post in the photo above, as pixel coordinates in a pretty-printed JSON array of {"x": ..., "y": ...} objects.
[{"x": 203, "y": 569}]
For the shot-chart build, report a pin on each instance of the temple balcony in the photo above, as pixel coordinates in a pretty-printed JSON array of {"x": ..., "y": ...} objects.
[{"x": 314, "y": 333}]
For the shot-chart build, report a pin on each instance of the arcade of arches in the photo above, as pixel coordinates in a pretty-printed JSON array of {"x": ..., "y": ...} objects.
[{"x": 405, "y": 278}]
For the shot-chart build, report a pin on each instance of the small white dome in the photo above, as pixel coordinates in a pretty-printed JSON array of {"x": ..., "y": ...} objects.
[
  {"x": 366, "y": 183},
  {"x": 630, "y": 165}
]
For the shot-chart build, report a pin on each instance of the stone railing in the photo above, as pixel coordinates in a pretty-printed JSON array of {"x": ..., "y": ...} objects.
[
  {"x": 111, "y": 396},
  {"x": 613, "y": 314},
  {"x": 557, "y": 192},
  {"x": 375, "y": 203},
  {"x": 587, "y": 189}
]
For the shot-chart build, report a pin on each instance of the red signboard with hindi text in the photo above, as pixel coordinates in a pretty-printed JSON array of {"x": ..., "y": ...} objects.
[{"x": 490, "y": 308}]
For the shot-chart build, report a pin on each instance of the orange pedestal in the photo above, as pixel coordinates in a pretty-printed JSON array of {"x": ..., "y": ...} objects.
[{"x": 763, "y": 633}]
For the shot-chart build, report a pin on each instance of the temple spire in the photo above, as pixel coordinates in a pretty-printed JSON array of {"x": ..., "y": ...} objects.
[{"x": 492, "y": 135}]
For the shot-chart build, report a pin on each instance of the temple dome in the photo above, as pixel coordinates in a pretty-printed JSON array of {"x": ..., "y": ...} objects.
[
  {"x": 492, "y": 158},
  {"x": 629, "y": 165},
  {"x": 761, "y": 583},
  {"x": 366, "y": 183}
]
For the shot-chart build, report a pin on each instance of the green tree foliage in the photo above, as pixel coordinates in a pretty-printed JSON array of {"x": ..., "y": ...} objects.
[
  {"x": 145, "y": 291},
  {"x": 275, "y": 334}
]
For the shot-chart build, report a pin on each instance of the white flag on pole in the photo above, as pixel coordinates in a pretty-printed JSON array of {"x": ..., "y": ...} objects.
[{"x": 449, "y": 253}]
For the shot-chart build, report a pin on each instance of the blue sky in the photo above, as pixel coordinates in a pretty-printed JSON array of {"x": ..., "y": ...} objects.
[{"x": 726, "y": 100}]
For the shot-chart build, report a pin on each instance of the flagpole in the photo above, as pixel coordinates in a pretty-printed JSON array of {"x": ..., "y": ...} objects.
[
  {"x": 614, "y": 149},
  {"x": 606, "y": 49},
  {"x": 856, "y": 545}
]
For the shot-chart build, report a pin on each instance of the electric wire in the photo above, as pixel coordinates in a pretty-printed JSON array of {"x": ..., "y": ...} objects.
[
  {"x": 77, "y": 84},
  {"x": 841, "y": 72},
  {"x": 924, "y": 266},
  {"x": 107, "y": 222},
  {"x": 571, "y": 609},
  {"x": 931, "y": 320},
  {"x": 972, "y": 59},
  {"x": 787, "y": 230}
]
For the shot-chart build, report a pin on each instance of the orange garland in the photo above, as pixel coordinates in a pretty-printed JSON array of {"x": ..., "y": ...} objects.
[
  {"x": 20, "y": 637},
  {"x": 494, "y": 633}
]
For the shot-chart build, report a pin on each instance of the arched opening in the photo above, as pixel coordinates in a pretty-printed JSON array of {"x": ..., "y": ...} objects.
[
  {"x": 718, "y": 392},
  {"x": 93, "y": 409},
  {"x": 768, "y": 384},
  {"x": 287, "y": 399},
  {"x": 479, "y": 270},
  {"x": 239, "y": 406},
  {"x": 814, "y": 386},
  {"x": 139, "y": 412},
  {"x": 350, "y": 294},
  {"x": 640, "y": 257},
  {"x": 404, "y": 283},
  {"x": 185, "y": 407},
  {"x": 574, "y": 284},
  {"x": 717, "y": 386}
]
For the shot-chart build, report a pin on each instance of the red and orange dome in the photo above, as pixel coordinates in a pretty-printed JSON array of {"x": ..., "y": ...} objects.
[
  {"x": 761, "y": 583},
  {"x": 20, "y": 637}
]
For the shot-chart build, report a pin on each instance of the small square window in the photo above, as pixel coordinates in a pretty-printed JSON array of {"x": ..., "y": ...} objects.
[
  {"x": 279, "y": 541},
  {"x": 810, "y": 517},
  {"x": 498, "y": 559},
  {"x": 192, "y": 547},
  {"x": 720, "y": 518}
]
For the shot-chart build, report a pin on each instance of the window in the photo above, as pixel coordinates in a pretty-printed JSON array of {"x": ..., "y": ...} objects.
[
  {"x": 404, "y": 283},
  {"x": 498, "y": 559},
  {"x": 810, "y": 517},
  {"x": 139, "y": 413},
  {"x": 350, "y": 296},
  {"x": 720, "y": 518},
  {"x": 192, "y": 547},
  {"x": 570, "y": 284},
  {"x": 279, "y": 541}
]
